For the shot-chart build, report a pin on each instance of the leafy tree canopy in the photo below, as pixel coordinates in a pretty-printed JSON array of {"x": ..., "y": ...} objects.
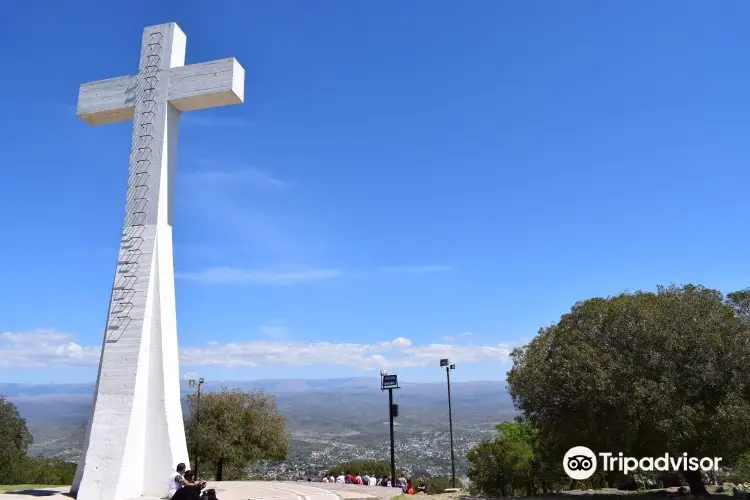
[
  {"x": 643, "y": 373},
  {"x": 231, "y": 429},
  {"x": 15, "y": 437}
]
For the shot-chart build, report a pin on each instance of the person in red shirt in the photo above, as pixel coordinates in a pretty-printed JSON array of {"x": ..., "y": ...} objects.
[
  {"x": 408, "y": 488},
  {"x": 357, "y": 479}
]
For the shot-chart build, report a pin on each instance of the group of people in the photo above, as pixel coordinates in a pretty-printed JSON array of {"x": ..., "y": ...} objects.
[
  {"x": 183, "y": 485},
  {"x": 367, "y": 480}
]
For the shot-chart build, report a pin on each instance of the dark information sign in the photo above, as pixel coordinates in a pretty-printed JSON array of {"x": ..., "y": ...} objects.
[{"x": 390, "y": 382}]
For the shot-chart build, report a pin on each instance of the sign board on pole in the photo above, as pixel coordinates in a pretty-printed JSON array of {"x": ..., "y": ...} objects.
[{"x": 389, "y": 382}]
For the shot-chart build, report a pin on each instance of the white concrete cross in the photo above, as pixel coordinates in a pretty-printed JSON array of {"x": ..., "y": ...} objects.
[{"x": 136, "y": 435}]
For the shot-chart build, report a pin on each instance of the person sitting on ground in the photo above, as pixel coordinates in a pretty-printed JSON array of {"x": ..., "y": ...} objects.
[
  {"x": 421, "y": 488},
  {"x": 191, "y": 489},
  {"x": 341, "y": 479},
  {"x": 178, "y": 481},
  {"x": 347, "y": 478},
  {"x": 358, "y": 479}
]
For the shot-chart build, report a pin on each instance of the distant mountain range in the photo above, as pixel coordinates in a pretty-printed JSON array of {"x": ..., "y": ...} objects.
[{"x": 352, "y": 409}]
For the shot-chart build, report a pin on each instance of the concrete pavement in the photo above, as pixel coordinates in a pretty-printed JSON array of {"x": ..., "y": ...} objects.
[{"x": 250, "y": 490}]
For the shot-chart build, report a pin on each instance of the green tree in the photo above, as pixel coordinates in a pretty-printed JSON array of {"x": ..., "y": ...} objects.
[
  {"x": 234, "y": 429},
  {"x": 15, "y": 437},
  {"x": 644, "y": 374},
  {"x": 512, "y": 462}
]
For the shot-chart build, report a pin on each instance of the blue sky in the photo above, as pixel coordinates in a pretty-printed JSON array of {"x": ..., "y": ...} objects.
[{"x": 405, "y": 180}]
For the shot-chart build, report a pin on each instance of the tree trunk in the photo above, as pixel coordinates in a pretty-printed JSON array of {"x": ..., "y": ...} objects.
[
  {"x": 695, "y": 481},
  {"x": 220, "y": 469}
]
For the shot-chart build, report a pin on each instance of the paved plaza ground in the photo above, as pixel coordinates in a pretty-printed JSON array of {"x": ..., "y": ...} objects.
[{"x": 247, "y": 490}]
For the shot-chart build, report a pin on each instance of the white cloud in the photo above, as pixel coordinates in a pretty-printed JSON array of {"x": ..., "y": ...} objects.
[
  {"x": 43, "y": 347},
  {"x": 48, "y": 348},
  {"x": 466, "y": 334}
]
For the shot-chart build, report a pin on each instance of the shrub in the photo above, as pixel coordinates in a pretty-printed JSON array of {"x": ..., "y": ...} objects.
[{"x": 37, "y": 470}]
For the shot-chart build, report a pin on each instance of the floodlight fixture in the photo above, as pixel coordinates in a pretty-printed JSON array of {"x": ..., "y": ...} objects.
[{"x": 443, "y": 363}]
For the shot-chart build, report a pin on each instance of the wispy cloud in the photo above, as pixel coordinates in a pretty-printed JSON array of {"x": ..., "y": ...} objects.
[
  {"x": 200, "y": 120},
  {"x": 251, "y": 175},
  {"x": 236, "y": 276},
  {"x": 276, "y": 330},
  {"x": 45, "y": 348},
  {"x": 452, "y": 338},
  {"x": 423, "y": 269},
  {"x": 230, "y": 275}
]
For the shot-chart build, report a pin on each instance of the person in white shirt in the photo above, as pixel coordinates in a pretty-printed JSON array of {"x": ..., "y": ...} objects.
[
  {"x": 177, "y": 482},
  {"x": 340, "y": 479}
]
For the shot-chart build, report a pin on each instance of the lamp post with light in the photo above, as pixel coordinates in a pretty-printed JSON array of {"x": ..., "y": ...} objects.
[
  {"x": 448, "y": 367},
  {"x": 196, "y": 383}
]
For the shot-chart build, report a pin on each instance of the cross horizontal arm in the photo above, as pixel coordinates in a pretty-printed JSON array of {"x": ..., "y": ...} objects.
[
  {"x": 107, "y": 101},
  {"x": 206, "y": 85},
  {"x": 196, "y": 86}
]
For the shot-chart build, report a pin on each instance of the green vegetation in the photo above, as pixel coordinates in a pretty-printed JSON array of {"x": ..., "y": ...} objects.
[
  {"x": 741, "y": 472},
  {"x": 640, "y": 373},
  {"x": 435, "y": 485},
  {"x": 233, "y": 430},
  {"x": 377, "y": 468},
  {"x": 16, "y": 468},
  {"x": 15, "y": 437},
  {"x": 37, "y": 470}
]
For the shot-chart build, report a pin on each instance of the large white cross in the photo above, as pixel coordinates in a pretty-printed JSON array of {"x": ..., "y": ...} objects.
[{"x": 136, "y": 435}]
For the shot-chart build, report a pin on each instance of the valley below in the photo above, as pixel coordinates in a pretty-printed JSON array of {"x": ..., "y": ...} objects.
[{"x": 328, "y": 421}]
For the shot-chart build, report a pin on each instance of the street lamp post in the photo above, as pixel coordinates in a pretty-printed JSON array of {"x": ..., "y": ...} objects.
[
  {"x": 390, "y": 382},
  {"x": 196, "y": 383},
  {"x": 448, "y": 367}
]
